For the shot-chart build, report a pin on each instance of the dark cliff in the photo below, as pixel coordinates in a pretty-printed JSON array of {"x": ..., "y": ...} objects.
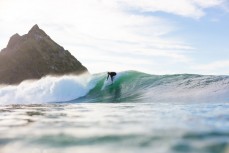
[{"x": 33, "y": 56}]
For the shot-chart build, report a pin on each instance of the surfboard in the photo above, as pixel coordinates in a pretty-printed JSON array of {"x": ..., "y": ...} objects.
[{"x": 108, "y": 82}]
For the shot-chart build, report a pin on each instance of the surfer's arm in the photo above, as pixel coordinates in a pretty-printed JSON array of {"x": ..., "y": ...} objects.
[{"x": 107, "y": 77}]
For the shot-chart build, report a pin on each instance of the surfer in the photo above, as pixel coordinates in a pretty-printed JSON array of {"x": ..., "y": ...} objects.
[{"x": 111, "y": 74}]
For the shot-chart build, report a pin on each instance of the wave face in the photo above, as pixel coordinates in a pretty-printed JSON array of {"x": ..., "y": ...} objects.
[
  {"x": 129, "y": 86},
  {"x": 132, "y": 86}
]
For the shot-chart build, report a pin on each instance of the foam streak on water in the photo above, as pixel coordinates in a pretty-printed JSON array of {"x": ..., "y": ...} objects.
[{"x": 115, "y": 128}]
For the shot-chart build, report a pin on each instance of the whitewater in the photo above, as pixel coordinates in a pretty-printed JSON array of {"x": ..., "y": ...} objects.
[{"x": 129, "y": 86}]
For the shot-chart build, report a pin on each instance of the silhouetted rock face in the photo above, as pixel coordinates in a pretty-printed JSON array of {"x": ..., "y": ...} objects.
[{"x": 33, "y": 56}]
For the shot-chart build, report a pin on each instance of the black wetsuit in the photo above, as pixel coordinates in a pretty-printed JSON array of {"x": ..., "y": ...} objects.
[{"x": 111, "y": 74}]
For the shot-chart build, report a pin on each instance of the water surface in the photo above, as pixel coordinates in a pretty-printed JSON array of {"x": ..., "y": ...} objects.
[{"x": 115, "y": 128}]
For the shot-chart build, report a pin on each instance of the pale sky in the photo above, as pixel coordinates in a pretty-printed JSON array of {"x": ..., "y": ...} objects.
[{"x": 152, "y": 36}]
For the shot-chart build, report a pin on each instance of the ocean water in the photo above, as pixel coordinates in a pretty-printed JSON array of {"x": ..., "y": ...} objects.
[
  {"x": 138, "y": 113},
  {"x": 115, "y": 128}
]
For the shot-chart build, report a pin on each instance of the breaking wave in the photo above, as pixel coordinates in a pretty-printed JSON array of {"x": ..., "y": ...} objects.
[
  {"x": 47, "y": 89},
  {"x": 129, "y": 86}
]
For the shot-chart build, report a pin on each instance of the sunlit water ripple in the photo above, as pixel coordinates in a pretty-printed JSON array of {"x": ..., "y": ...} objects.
[{"x": 115, "y": 128}]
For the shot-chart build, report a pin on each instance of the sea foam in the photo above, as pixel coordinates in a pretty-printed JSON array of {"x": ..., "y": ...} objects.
[{"x": 47, "y": 89}]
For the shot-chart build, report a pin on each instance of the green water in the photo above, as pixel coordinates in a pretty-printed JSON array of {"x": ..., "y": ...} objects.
[
  {"x": 115, "y": 128},
  {"x": 133, "y": 86}
]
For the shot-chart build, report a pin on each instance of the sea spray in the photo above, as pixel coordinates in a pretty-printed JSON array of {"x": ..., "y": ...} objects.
[{"x": 47, "y": 89}]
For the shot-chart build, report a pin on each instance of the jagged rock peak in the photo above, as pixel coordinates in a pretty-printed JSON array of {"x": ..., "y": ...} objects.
[
  {"x": 13, "y": 40},
  {"x": 15, "y": 35},
  {"x": 35, "y": 30},
  {"x": 35, "y": 55}
]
